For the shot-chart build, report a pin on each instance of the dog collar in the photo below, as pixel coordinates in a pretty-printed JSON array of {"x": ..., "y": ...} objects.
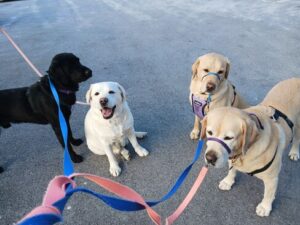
[
  {"x": 65, "y": 91},
  {"x": 234, "y": 158}
]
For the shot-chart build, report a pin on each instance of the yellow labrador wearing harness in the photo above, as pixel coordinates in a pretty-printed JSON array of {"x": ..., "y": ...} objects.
[
  {"x": 220, "y": 89},
  {"x": 256, "y": 137}
]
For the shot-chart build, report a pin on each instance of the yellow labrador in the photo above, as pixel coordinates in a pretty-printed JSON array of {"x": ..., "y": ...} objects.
[
  {"x": 253, "y": 140},
  {"x": 209, "y": 88}
]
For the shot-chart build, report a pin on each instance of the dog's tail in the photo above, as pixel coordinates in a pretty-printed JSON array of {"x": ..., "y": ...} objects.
[{"x": 140, "y": 134}]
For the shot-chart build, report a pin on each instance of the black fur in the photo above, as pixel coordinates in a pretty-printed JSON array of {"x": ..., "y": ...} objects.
[{"x": 35, "y": 104}]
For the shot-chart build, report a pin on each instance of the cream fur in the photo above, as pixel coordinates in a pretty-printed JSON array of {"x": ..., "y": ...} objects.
[
  {"x": 109, "y": 136},
  {"x": 223, "y": 95},
  {"x": 260, "y": 144}
]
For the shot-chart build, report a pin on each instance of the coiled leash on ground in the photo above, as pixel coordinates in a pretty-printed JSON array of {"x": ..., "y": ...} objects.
[{"x": 61, "y": 188}]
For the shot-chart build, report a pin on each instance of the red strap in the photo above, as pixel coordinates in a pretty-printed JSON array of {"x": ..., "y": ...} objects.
[
  {"x": 121, "y": 191},
  {"x": 21, "y": 53}
]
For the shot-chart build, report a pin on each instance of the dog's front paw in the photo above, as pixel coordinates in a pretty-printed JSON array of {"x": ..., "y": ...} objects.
[
  {"x": 77, "y": 158},
  {"x": 294, "y": 155},
  {"x": 115, "y": 170},
  {"x": 263, "y": 210},
  {"x": 76, "y": 142},
  {"x": 194, "y": 135},
  {"x": 225, "y": 185},
  {"x": 125, "y": 154},
  {"x": 140, "y": 134},
  {"x": 141, "y": 151}
]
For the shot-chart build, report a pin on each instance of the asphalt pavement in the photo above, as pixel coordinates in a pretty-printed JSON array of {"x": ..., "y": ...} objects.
[{"x": 148, "y": 47}]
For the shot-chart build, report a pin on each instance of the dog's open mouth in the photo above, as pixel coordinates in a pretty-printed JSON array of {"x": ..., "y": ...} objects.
[{"x": 108, "y": 113}]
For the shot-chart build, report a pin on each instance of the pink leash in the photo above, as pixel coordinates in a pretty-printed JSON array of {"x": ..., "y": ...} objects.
[
  {"x": 172, "y": 218},
  {"x": 21, "y": 53}
]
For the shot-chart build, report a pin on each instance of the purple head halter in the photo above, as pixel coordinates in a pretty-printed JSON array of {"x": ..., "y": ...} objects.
[{"x": 220, "y": 142}]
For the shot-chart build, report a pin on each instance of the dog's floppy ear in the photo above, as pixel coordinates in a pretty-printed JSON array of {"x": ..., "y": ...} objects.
[
  {"x": 203, "y": 128},
  {"x": 56, "y": 71},
  {"x": 195, "y": 67},
  {"x": 88, "y": 95},
  {"x": 249, "y": 134},
  {"x": 122, "y": 91},
  {"x": 227, "y": 68}
]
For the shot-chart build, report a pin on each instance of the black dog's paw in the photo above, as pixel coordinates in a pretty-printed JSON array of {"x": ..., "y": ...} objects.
[
  {"x": 5, "y": 125},
  {"x": 76, "y": 142},
  {"x": 1, "y": 169},
  {"x": 77, "y": 158}
]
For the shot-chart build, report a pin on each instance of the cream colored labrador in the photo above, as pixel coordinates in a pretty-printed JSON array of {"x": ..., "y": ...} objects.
[
  {"x": 253, "y": 140},
  {"x": 109, "y": 124},
  {"x": 210, "y": 77}
]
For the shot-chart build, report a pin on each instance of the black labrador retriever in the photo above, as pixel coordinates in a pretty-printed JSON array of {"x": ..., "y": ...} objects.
[{"x": 35, "y": 104}]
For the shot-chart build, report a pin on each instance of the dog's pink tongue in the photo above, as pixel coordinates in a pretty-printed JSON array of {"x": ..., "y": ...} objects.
[{"x": 106, "y": 112}]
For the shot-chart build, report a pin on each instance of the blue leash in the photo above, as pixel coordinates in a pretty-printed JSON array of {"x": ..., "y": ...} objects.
[
  {"x": 68, "y": 165},
  {"x": 114, "y": 202}
]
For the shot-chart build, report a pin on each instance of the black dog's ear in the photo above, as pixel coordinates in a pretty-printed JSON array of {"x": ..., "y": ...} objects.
[
  {"x": 123, "y": 93},
  {"x": 56, "y": 72}
]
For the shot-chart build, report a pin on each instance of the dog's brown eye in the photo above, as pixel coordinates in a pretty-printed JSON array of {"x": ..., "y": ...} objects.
[
  {"x": 97, "y": 93},
  {"x": 228, "y": 138},
  {"x": 210, "y": 132},
  {"x": 206, "y": 70},
  {"x": 220, "y": 72},
  {"x": 111, "y": 92}
]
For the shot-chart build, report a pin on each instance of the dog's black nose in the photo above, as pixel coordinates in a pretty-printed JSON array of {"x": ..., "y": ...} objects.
[
  {"x": 103, "y": 101},
  {"x": 88, "y": 72},
  {"x": 210, "y": 87},
  {"x": 211, "y": 157}
]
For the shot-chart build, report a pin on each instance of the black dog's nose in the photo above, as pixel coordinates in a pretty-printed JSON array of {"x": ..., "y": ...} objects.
[
  {"x": 211, "y": 157},
  {"x": 103, "y": 101},
  {"x": 210, "y": 87},
  {"x": 88, "y": 72}
]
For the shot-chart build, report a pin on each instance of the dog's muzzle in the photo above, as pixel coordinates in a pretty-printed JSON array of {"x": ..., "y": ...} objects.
[
  {"x": 87, "y": 73},
  {"x": 211, "y": 156}
]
